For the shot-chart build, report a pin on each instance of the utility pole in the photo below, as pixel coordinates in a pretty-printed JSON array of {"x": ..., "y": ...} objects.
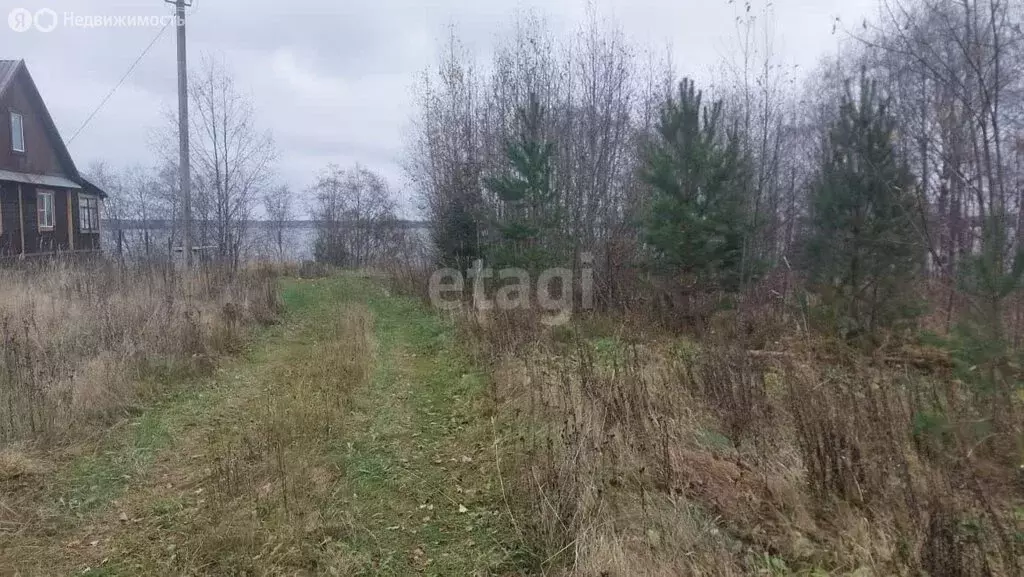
[{"x": 184, "y": 169}]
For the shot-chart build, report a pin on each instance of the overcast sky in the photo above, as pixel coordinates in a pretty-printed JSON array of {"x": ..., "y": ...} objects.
[{"x": 332, "y": 78}]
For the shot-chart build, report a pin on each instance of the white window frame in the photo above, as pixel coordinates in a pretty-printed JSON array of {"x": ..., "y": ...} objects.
[
  {"x": 44, "y": 200},
  {"x": 88, "y": 213},
  {"x": 19, "y": 133}
]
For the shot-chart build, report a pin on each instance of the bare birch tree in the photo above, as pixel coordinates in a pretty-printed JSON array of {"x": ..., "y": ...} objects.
[
  {"x": 955, "y": 70},
  {"x": 446, "y": 155},
  {"x": 355, "y": 217},
  {"x": 278, "y": 203},
  {"x": 231, "y": 158}
]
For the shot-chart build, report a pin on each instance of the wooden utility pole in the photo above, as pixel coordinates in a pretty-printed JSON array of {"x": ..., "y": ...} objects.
[{"x": 184, "y": 169}]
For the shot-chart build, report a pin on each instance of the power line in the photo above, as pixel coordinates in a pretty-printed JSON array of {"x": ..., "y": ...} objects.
[{"x": 119, "y": 83}]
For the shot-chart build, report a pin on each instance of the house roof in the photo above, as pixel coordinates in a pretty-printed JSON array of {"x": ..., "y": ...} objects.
[
  {"x": 9, "y": 70},
  {"x": 40, "y": 179},
  {"x": 91, "y": 188}
]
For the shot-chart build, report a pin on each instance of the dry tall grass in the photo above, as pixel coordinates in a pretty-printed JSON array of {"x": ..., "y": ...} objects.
[
  {"x": 641, "y": 454},
  {"x": 273, "y": 508},
  {"x": 86, "y": 342}
]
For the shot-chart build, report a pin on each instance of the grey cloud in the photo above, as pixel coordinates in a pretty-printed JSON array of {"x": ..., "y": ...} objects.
[{"x": 331, "y": 79}]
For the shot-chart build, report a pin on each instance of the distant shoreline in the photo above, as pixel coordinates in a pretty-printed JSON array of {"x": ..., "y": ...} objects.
[{"x": 163, "y": 224}]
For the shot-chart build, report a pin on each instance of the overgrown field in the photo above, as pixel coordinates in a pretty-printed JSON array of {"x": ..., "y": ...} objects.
[
  {"x": 638, "y": 453},
  {"x": 84, "y": 343},
  {"x": 364, "y": 434},
  {"x": 354, "y": 437}
]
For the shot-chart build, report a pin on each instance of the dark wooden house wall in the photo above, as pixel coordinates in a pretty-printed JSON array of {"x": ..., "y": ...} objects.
[
  {"x": 39, "y": 156},
  {"x": 10, "y": 223},
  {"x": 83, "y": 240},
  {"x": 36, "y": 240}
]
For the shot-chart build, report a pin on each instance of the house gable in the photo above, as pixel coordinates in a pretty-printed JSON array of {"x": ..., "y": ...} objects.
[{"x": 45, "y": 152}]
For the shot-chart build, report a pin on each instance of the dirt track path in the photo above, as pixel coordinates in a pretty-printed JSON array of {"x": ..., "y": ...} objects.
[{"x": 349, "y": 440}]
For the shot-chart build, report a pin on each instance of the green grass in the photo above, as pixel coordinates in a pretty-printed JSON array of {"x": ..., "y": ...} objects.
[
  {"x": 406, "y": 482},
  {"x": 423, "y": 456},
  {"x": 93, "y": 480}
]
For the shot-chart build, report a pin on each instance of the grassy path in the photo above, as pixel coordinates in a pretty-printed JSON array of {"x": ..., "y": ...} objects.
[
  {"x": 421, "y": 462},
  {"x": 349, "y": 440}
]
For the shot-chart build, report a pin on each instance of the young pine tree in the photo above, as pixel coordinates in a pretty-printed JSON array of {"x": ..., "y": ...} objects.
[
  {"x": 456, "y": 228},
  {"x": 863, "y": 251},
  {"x": 984, "y": 356},
  {"x": 528, "y": 218},
  {"x": 455, "y": 236},
  {"x": 697, "y": 223}
]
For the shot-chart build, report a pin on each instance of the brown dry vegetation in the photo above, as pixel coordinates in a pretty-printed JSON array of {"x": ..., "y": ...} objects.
[
  {"x": 356, "y": 437},
  {"x": 84, "y": 343},
  {"x": 260, "y": 490},
  {"x": 637, "y": 453},
  {"x": 348, "y": 439}
]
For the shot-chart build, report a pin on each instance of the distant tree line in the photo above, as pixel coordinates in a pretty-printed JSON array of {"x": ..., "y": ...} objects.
[
  {"x": 234, "y": 183},
  {"x": 885, "y": 184},
  {"x": 356, "y": 221},
  {"x": 895, "y": 162}
]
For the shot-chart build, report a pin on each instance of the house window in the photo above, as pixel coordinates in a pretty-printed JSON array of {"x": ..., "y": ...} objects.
[
  {"x": 89, "y": 213},
  {"x": 17, "y": 132},
  {"x": 44, "y": 210}
]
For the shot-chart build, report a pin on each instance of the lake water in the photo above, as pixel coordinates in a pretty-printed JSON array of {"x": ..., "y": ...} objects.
[{"x": 260, "y": 243}]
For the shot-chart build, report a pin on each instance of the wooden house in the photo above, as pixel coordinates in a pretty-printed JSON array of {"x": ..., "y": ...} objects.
[{"x": 45, "y": 204}]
